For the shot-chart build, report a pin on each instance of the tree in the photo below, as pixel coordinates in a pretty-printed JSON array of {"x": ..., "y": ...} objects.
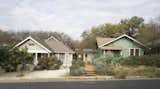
[
  {"x": 149, "y": 34},
  {"x": 132, "y": 25},
  {"x": 10, "y": 58},
  {"x": 6, "y": 38},
  {"x": 110, "y": 30},
  {"x": 9, "y": 38}
]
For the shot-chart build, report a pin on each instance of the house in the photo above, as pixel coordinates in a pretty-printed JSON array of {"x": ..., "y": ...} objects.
[
  {"x": 88, "y": 55},
  {"x": 47, "y": 47},
  {"x": 123, "y": 45}
]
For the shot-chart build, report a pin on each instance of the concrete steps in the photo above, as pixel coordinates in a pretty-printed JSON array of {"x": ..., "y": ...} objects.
[{"x": 90, "y": 70}]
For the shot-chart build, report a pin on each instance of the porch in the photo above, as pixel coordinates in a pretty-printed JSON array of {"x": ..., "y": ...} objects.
[
  {"x": 66, "y": 58},
  {"x": 114, "y": 53}
]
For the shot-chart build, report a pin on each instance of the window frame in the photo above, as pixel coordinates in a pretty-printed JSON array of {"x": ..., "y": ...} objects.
[{"x": 134, "y": 51}]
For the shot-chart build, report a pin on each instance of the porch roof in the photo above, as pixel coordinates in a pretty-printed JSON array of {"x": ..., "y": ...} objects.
[{"x": 112, "y": 48}]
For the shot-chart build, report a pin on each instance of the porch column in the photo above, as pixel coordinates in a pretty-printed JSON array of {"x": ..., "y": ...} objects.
[
  {"x": 104, "y": 52},
  {"x": 48, "y": 54},
  {"x": 36, "y": 59},
  {"x": 70, "y": 59},
  {"x": 64, "y": 62}
]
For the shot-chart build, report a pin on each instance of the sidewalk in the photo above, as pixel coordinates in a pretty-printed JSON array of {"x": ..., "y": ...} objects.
[
  {"x": 58, "y": 79},
  {"x": 66, "y": 79},
  {"x": 12, "y": 78}
]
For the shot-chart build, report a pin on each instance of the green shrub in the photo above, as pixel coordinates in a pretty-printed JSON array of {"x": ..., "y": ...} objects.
[
  {"x": 11, "y": 57},
  {"x": 102, "y": 69},
  {"x": 104, "y": 65},
  {"x": 77, "y": 69},
  {"x": 147, "y": 60},
  {"x": 152, "y": 72},
  {"x": 121, "y": 71},
  {"x": 157, "y": 73},
  {"x": 46, "y": 63}
]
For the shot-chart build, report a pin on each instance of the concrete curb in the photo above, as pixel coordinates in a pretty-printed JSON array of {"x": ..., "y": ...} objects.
[{"x": 65, "y": 79}]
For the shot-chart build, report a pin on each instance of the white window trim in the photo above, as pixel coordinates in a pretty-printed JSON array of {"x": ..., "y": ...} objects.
[{"x": 134, "y": 51}]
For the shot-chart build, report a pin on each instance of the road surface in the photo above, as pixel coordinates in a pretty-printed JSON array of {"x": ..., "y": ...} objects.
[{"x": 109, "y": 84}]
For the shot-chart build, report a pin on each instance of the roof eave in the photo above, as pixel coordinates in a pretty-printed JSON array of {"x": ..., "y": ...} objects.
[{"x": 34, "y": 41}]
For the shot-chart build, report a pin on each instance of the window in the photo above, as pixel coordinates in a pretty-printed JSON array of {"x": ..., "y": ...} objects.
[
  {"x": 134, "y": 52},
  {"x": 131, "y": 52},
  {"x": 137, "y": 52},
  {"x": 86, "y": 55}
]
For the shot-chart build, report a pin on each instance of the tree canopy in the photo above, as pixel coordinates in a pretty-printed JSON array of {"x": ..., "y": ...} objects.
[{"x": 147, "y": 33}]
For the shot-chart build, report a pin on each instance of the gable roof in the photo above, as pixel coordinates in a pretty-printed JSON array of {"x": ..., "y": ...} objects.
[
  {"x": 36, "y": 41},
  {"x": 101, "y": 40},
  {"x": 50, "y": 45},
  {"x": 105, "y": 42},
  {"x": 57, "y": 45}
]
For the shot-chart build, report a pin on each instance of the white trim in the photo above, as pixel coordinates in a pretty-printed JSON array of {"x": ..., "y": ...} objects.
[
  {"x": 121, "y": 37},
  {"x": 36, "y": 59},
  {"x": 34, "y": 41},
  {"x": 121, "y": 52},
  {"x": 36, "y": 51},
  {"x": 51, "y": 37},
  {"x": 66, "y": 52},
  {"x": 139, "y": 51},
  {"x": 48, "y": 54},
  {"x": 104, "y": 52},
  {"x": 58, "y": 56}
]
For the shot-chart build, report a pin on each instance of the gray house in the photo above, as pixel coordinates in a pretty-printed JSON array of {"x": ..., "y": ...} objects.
[{"x": 47, "y": 47}]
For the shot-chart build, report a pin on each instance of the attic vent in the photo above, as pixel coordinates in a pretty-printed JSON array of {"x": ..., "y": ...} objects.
[{"x": 31, "y": 44}]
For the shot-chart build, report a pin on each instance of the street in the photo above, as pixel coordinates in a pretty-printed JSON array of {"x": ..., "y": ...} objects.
[{"x": 109, "y": 84}]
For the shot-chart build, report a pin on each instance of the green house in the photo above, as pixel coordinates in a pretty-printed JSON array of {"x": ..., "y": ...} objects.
[{"x": 123, "y": 45}]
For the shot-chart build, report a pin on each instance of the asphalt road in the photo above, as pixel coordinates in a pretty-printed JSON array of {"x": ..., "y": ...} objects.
[{"x": 110, "y": 84}]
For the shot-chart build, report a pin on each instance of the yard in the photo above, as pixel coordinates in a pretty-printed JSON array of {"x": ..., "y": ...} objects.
[{"x": 119, "y": 67}]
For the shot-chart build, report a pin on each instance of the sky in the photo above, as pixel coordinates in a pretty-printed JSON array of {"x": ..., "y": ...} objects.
[{"x": 71, "y": 16}]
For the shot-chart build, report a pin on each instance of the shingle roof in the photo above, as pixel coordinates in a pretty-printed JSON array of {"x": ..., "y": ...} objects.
[
  {"x": 57, "y": 46},
  {"x": 42, "y": 41},
  {"x": 101, "y": 40},
  {"x": 53, "y": 45}
]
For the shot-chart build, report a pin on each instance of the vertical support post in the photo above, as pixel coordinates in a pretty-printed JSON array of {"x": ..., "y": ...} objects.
[
  {"x": 58, "y": 56},
  {"x": 70, "y": 59},
  {"x": 64, "y": 62},
  {"x": 104, "y": 52},
  {"x": 36, "y": 59},
  {"x": 48, "y": 54}
]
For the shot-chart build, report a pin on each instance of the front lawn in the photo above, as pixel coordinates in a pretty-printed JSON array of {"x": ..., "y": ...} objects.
[{"x": 119, "y": 67}]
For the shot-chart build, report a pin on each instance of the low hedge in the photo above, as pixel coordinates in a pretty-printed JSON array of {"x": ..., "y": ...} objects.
[
  {"x": 147, "y": 60},
  {"x": 103, "y": 65},
  {"x": 77, "y": 68},
  {"x": 124, "y": 71},
  {"x": 51, "y": 63},
  {"x": 120, "y": 67}
]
